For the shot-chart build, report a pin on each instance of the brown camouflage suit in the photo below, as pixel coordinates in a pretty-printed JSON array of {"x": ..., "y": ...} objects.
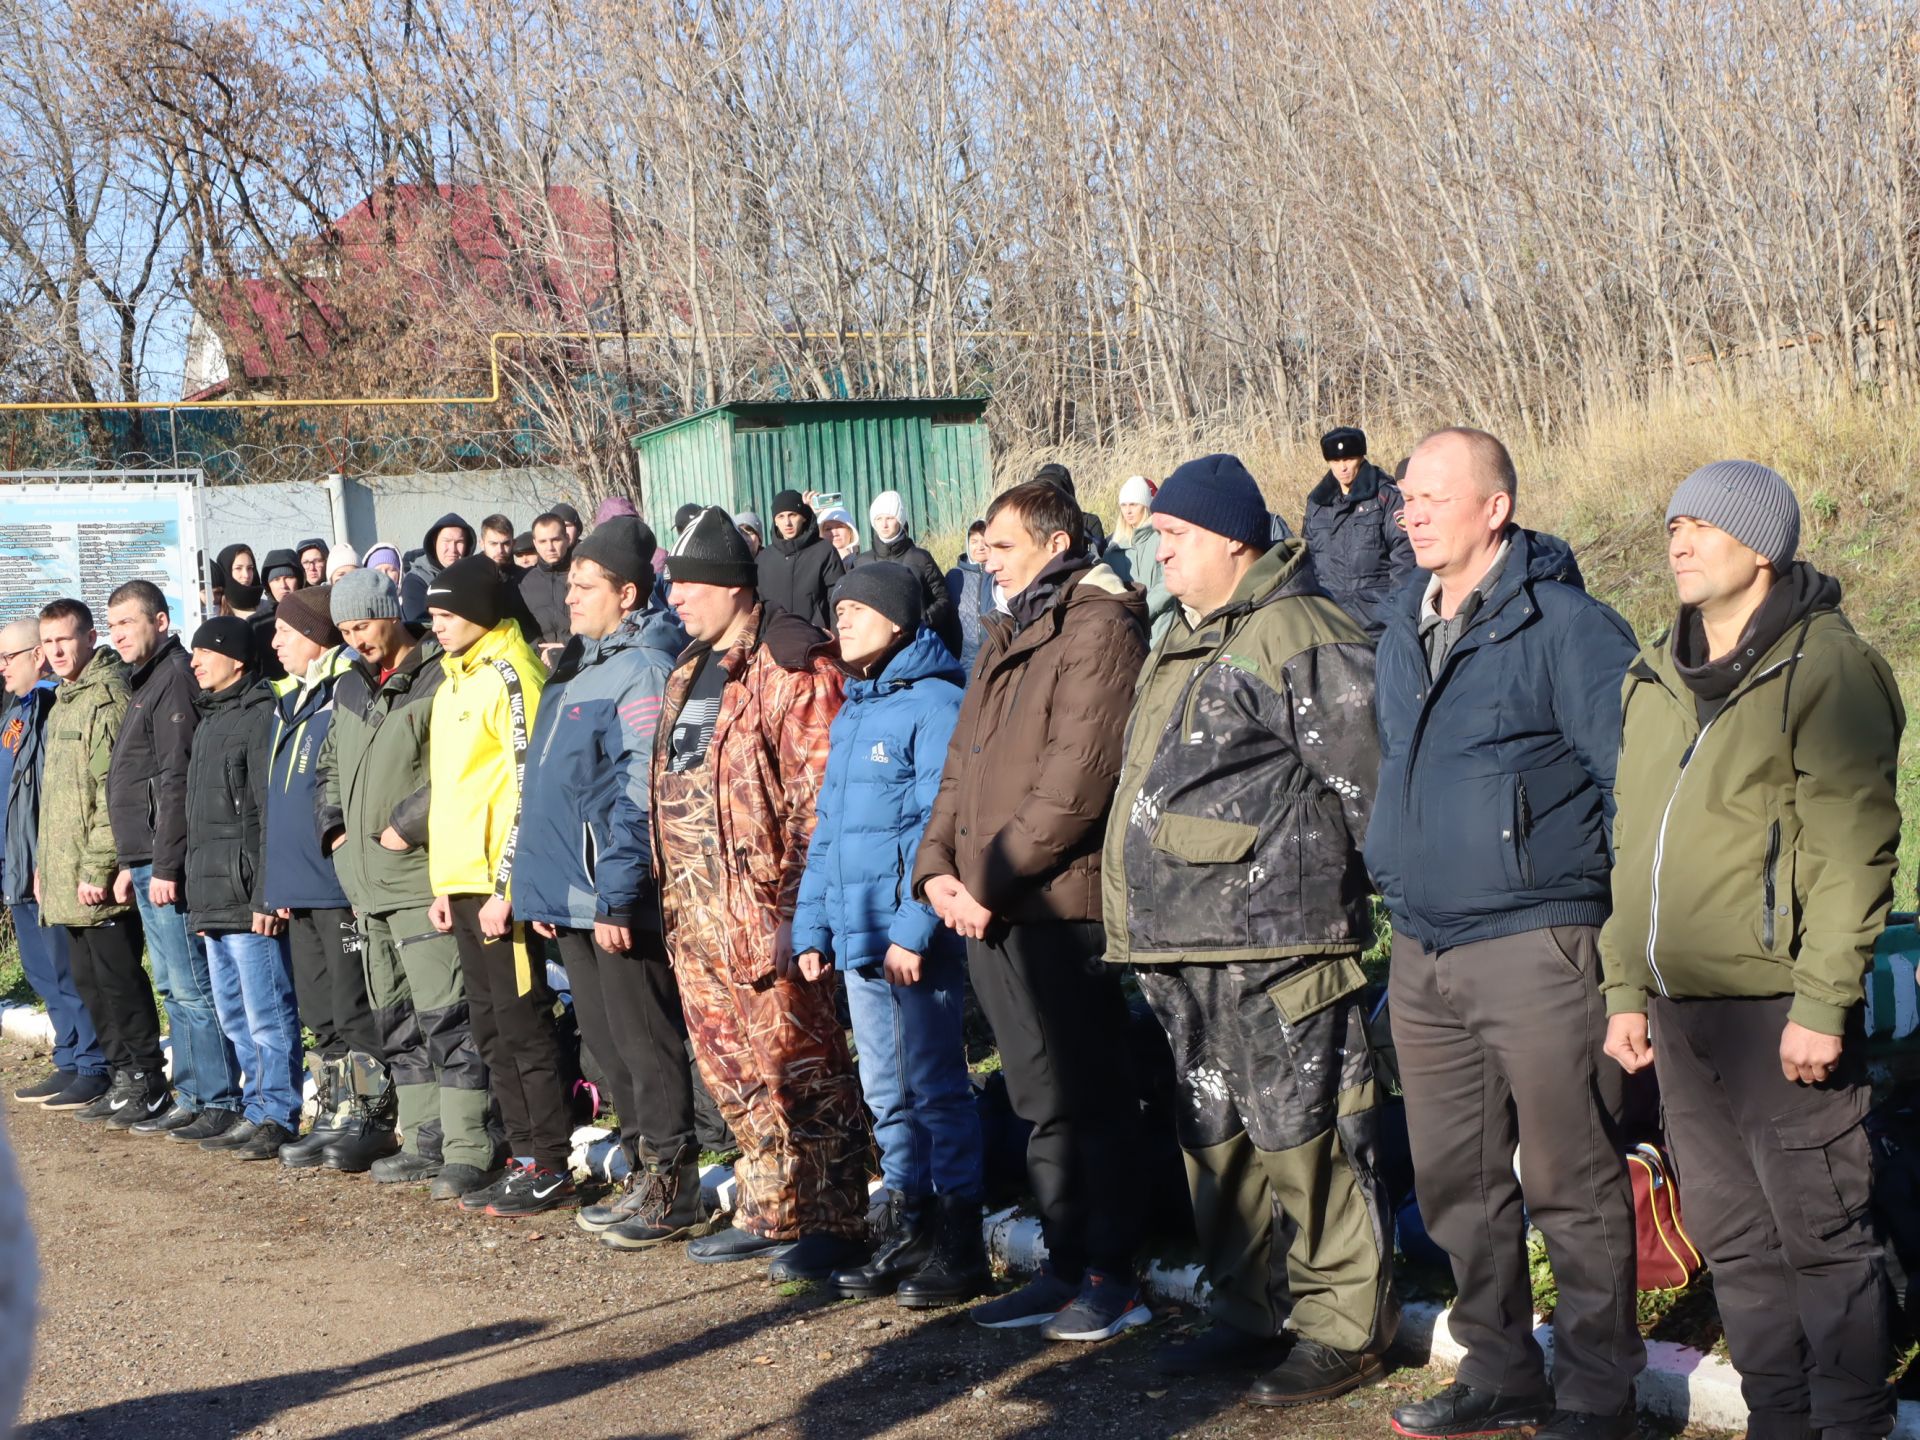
[{"x": 730, "y": 846}]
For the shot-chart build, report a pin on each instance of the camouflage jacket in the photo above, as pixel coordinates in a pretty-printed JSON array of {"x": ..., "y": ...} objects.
[
  {"x": 1247, "y": 781},
  {"x": 731, "y": 834},
  {"x": 76, "y": 838}
]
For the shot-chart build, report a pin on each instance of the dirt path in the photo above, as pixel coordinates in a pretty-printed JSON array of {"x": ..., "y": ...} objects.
[{"x": 185, "y": 1294}]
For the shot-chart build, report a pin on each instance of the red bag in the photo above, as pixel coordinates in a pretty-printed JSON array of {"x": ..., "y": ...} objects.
[{"x": 1666, "y": 1257}]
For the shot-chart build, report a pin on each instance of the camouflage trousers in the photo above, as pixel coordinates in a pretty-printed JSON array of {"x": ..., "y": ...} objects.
[{"x": 776, "y": 1061}]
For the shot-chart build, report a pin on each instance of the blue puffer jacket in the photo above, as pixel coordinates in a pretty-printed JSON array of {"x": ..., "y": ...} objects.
[
  {"x": 885, "y": 753},
  {"x": 585, "y": 850},
  {"x": 299, "y": 875},
  {"x": 1496, "y": 781}
]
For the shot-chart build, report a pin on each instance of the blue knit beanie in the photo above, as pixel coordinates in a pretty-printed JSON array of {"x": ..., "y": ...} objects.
[{"x": 1216, "y": 493}]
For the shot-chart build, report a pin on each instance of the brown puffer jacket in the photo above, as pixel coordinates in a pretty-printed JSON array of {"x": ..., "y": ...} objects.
[{"x": 1031, "y": 769}]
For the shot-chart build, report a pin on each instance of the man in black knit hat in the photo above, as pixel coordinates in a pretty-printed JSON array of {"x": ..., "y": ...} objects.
[{"x": 797, "y": 566}]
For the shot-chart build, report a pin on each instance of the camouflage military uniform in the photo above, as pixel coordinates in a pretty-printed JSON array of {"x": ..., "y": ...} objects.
[{"x": 730, "y": 845}]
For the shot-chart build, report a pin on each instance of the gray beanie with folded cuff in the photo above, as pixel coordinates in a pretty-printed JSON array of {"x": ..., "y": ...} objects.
[
  {"x": 1748, "y": 501},
  {"x": 364, "y": 595}
]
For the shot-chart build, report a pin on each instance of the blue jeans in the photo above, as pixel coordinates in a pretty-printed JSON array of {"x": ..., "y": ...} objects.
[
  {"x": 205, "y": 1070},
  {"x": 913, "y": 1073},
  {"x": 253, "y": 991},
  {"x": 43, "y": 956}
]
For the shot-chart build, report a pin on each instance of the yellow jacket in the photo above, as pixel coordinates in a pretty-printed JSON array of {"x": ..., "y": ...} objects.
[{"x": 474, "y": 804}]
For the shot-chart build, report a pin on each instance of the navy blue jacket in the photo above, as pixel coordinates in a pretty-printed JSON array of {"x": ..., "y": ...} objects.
[
  {"x": 1496, "y": 781},
  {"x": 885, "y": 753},
  {"x": 23, "y": 741},
  {"x": 1360, "y": 551},
  {"x": 585, "y": 851},
  {"x": 300, "y": 875}
]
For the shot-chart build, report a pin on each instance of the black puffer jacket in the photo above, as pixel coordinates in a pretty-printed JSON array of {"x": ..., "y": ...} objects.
[
  {"x": 147, "y": 782},
  {"x": 227, "y": 807},
  {"x": 938, "y": 615},
  {"x": 543, "y": 589},
  {"x": 796, "y": 575}
]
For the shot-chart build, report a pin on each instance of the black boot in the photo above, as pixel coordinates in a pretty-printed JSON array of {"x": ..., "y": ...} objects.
[
  {"x": 904, "y": 1244},
  {"x": 368, "y": 1134},
  {"x": 333, "y": 1107},
  {"x": 957, "y": 1269}
]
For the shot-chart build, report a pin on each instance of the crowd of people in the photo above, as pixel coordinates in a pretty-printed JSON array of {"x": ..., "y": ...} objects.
[{"x": 731, "y": 783}]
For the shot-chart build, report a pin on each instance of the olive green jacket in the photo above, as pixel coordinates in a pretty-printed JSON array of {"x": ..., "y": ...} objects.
[
  {"x": 1756, "y": 857},
  {"x": 76, "y": 838}
]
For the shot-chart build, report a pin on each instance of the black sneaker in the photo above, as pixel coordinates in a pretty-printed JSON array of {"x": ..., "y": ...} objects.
[
  {"x": 1313, "y": 1372},
  {"x": 211, "y": 1122},
  {"x": 404, "y": 1167},
  {"x": 457, "y": 1180},
  {"x": 476, "y": 1201},
  {"x": 85, "y": 1090},
  {"x": 232, "y": 1138},
  {"x": 46, "y": 1087},
  {"x": 1585, "y": 1425},
  {"x": 1034, "y": 1303},
  {"x": 1220, "y": 1349},
  {"x": 150, "y": 1099},
  {"x": 265, "y": 1143},
  {"x": 1459, "y": 1411},
  {"x": 816, "y": 1257},
  {"x": 176, "y": 1116},
  {"x": 1107, "y": 1304},
  {"x": 724, "y": 1247},
  {"x": 118, "y": 1093},
  {"x": 534, "y": 1191}
]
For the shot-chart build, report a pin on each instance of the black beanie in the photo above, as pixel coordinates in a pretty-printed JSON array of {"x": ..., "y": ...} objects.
[
  {"x": 712, "y": 551},
  {"x": 470, "y": 588},
  {"x": 791, "y": 500},
  {"x": 567, "y": 513},
  {"x": 1056, "y": 475},
  {"x": 685, "y": 516},
  {"x": 226, "y": 635},
  {"x": 1348, "y": 442},
  {"x": 623, "y": 547},
  {"x": 888, "y": 587},
  {"x": 278, "y": 560}
]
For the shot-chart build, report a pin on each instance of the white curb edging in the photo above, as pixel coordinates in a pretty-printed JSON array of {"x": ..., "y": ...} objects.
[{"x": 26, "y": 1023}]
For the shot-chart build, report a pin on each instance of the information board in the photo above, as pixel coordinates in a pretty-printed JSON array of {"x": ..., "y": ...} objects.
[{"x": 74, "y": 536}]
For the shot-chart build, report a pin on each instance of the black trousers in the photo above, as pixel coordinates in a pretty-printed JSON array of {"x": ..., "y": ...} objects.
[
  {"x": 331, "y": 984},
  {"x": 628, "y": 1008},
  {"x": 1499, "y": 1046},
  {"x": 517, "y": 1039},
  {"x": 1060, "y": 1019},
  {"x": 105, "y": 959},
  {"x": 1776, "y": 1178}
]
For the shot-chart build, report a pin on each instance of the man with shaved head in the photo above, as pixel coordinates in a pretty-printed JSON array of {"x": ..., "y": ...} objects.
[{"x": 1498, "y": 698}]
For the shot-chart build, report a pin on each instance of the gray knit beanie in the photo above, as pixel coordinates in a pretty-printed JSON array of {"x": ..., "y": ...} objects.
[
  {"x": 364, "y": 595},
  {"x": 1748, "y": 501}
]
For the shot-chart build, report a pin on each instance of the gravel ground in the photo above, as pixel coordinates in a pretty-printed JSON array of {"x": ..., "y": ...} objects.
[{"x": 185, "y": 1294}]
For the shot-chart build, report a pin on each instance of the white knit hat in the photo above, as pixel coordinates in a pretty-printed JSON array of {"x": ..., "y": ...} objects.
[
  {"x": 887, "y": 503},
  {"x": 1137, "y": 491},
  {"x": 342, "y": 557}
]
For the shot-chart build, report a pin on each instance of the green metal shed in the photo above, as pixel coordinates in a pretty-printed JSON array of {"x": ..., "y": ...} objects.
[{"x": 933, "y": 451}]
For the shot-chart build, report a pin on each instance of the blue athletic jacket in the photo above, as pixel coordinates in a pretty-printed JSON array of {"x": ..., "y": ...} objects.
[
  {"x": 585, "y": 851},
  {"x": 885, "y": 753}
]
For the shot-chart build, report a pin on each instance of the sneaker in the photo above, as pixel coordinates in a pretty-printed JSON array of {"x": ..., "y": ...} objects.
[
  {"x": 404, "y": 1167},
  {"x": 150, "y": 1100},
  {"x": 534, "y": 1191},
  {"x": 212, "y": 1121},
  {"x": 1034, "y": 1303},
  {"x": 1106, "y": 1305},
  {"x": 118, "y": 1093},
  {"x": 457, "y": 1180},
  {"x": 231, "y": 1138},
  {"x": 1585, "y": 1425},
  {"x": 46, "y": 1087},
  {"x": 176, "y": 1116},
  {"x": 1220, "y": 1349},
  {"x": 725, "y": 1246},
  {"x": 816, "y": 1257},
  {"x": 1313, "y": 1372},
  {"x": 476, "y": 1201},
  {"x": 622, "y": 1205},
  {"x": 265, "y": 1143},
  {"x": 1459, "y": 1411},
  {"x": 84, "y": 1091}
]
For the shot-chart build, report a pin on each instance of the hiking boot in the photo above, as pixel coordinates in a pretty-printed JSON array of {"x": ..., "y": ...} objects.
[
  {"x": 816, "y": 1257},
  {"x": 119, "y": 1093},
  {"x": 1313, "y": 1372},
  {"x": 265, "y": 1144},
  {"x": 333, "y": 1102},
  {"x": 1585, "y": 1425},
  {"x": 621, "y": 1205},
  {"x": 667, "y": 1205},
  {"x": 404, "y": 1167},
  {"x": 176, "y": 1116},
  {"x": 957, "y": 1270},
  {"x": 476, "y": 1201},
  {"x": 1459, "y": 1410},
  {"x": 534, "y": 1191},
  {"x": 903, "y": 1242},
  {"x": 1220, "y": 1349},
  {"x": 1034, "y": 1303},
  {"x": 46, "y": 1087},
  {"x": 84, "y": 1090},
  {"x": 209, "y": 1123},
  {"x": 730, "y": 1244},
  {"x": 232, "y": 1138},
  {"x": 367, "y": 1134},
  {"x": 1108, "y": 1303},
  {"x": 457, "y": 1180}
]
